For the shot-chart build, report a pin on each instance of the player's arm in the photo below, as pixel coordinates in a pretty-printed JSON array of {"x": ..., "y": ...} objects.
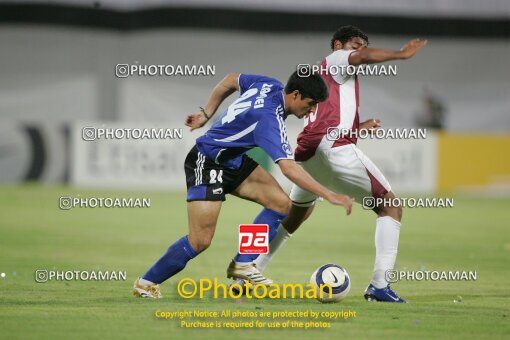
[
  {"x": 221, "y": 91},
  {"x": 301, "y": 178},
  {"x": 379, "y": 55}
]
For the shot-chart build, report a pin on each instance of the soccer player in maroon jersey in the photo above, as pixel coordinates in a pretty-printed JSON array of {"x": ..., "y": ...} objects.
[{"x": 337, "y": 163}]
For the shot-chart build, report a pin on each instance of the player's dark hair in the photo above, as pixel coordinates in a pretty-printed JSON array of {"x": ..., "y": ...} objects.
[
  {"x": 309, "y": 85},
  {"x": 346, "y": 33}
]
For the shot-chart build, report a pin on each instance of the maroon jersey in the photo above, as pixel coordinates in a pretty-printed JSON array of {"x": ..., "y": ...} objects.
[{"x": 340, "y": 111}]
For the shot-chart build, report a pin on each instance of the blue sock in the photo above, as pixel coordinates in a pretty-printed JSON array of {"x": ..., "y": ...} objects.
[
  {"x": 269, "y": 217},
  {"x": 172, "y": 262}
]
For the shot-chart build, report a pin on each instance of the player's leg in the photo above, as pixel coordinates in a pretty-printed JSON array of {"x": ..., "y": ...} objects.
[
  {"x": 357, "y": 175},
  {"x": 301, "y": 209},
  {"x": 204, "y": 205},
  {"x": 394, "y": 212},
  {"x": 388, "y": 224},
  {"x": 202, "y": 217},
  {"x": 262, "y": 188},
  {"x": 303, "y": 203},
  {"x": 387, "y": 235},
  {"x": 297, "y": 216}
]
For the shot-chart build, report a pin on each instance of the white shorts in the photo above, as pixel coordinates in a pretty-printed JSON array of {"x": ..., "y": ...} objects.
[{"x": 344, "y": 170}]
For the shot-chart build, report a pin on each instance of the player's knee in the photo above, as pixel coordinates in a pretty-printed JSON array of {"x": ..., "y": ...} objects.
[
  {"x": 282, "y": 205},
  {"x": 399, "y": 213},
  {"x": 393, "y": 212},
  {"x": 202, "y": 244}
]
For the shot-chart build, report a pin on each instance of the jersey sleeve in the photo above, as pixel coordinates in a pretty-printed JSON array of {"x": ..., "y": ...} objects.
[
  {"x": 271, "y": 135},
  {"x": 340, "y": 58}
]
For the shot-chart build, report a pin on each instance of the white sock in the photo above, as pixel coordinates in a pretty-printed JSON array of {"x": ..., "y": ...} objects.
[
  {"x": 263, "y": 260},
  {"x": 144, "y": 282},
  {"x": 387, "y": 231}
]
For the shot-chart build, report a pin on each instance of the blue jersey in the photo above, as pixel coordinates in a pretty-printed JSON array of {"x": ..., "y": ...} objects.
[{"x": 255, "y": 119}]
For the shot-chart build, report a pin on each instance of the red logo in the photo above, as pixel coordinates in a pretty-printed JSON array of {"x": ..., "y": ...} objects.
[{"x": 253, "y": 239}]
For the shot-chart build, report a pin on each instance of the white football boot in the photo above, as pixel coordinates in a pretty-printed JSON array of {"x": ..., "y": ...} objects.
[
  {"x": 248, "y": 272},
  {"x": 147, "y": 292}
]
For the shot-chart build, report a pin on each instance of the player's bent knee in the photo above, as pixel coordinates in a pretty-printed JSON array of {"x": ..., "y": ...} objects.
[
  {"x": 282, "y": 205},
  {"x": 393, "y": 212},
  {"x": 288, "y": 205},
  {"x": 397, "y": 213},
  {"x": 200, "y": 241},
  {"x": 201, "y": 244},
  {"x": 400, "y": 212}
]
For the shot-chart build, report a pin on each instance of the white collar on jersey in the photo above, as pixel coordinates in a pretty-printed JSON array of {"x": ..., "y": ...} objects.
[{"x": 283, "y": 98}]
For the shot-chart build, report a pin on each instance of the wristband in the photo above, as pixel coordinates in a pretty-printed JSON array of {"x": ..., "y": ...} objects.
[{"x": 205, "y": 114}]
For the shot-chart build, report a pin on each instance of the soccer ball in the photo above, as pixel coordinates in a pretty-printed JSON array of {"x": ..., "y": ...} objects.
[{"x": 335, "y": 276}]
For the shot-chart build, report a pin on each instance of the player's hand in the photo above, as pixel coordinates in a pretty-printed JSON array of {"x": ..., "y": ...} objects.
[
  {"x": 195, "y": 121},
  {"x": 344, "y": 200},
  {"x": 370, "y": 124},
  {"x": 412, "y": 47}
]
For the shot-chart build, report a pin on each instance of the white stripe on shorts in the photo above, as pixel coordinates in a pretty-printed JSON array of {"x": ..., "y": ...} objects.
[{"x": 199, "y": 168}]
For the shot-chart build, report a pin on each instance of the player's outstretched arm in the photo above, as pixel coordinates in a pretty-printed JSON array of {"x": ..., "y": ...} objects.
[
  {"x": 379, "y": 55},
  {"x": 301, "y": 178},
  {"x": 221, "y": 91}
]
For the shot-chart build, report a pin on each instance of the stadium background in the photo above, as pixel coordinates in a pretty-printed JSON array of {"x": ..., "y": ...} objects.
[{"x": 58, "y": 75}]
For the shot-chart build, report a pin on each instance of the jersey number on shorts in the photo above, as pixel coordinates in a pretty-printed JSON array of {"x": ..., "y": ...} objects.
[
  {"x": 239, "y": 106},
  {"x": 215, "y": 176}
]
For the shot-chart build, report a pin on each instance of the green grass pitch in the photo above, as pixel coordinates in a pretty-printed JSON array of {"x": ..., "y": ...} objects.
[{"x": 36, "y": 234}]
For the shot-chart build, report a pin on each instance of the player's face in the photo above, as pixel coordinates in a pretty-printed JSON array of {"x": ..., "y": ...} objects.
[
  {"x": 356, "y": 43},
  {"x": 304, "y": 106}
]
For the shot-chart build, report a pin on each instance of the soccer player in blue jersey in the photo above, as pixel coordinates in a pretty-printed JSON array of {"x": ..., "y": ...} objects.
[{"x": 218, "y": 165}]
